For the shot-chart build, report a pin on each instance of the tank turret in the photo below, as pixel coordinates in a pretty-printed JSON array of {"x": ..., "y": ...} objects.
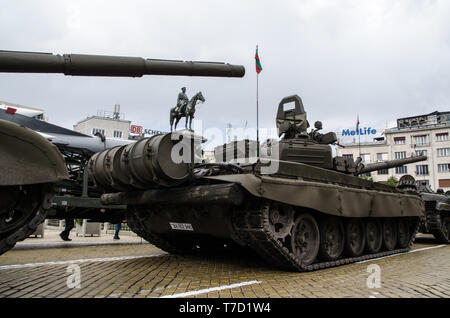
[
  {"x": 297, "y": 145},
  {"x": 102, "y": 65}
]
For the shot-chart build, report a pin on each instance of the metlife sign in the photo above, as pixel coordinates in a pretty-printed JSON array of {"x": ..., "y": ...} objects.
[
  {"x": 363, "y": 134},
  {"x": 360, "y": 132}
]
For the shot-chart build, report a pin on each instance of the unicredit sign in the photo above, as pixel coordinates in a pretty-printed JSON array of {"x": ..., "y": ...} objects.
[{"x": 360, "y": 132}]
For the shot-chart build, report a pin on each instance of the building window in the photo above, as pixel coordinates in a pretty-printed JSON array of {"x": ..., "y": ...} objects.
[
  {"x": 383, "y": 171},
  {"x": 367, "y": 174},
  {"x": 382, "y": 156},
  {"x": 443, "y": 167},
  {"x": 96, "y": 130},
  {"x": 420, "y": 140},
  {"x": 443, "y": 152},
  {"x": 444, "y": 183},
  {"x": 399, "y": 140},
  {"x": 422, "y": 170},
  {"x": 400, "y": 155},
  {"x": 117, "y": 134},
  {"x": 350, "y": 156},
  {"x": 401, "y": 170},
  {"x": 420, "y": 153},
  {"x": 441, "y": 136},
  {"x": 365, "y": 157}
]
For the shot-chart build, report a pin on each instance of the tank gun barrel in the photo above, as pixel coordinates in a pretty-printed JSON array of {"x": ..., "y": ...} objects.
[
  {"x": 390, "y": 164},
  {"x": 102, "y": 65}
]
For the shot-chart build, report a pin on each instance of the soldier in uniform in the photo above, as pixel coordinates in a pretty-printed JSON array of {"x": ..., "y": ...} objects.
[{"x": 182, "y": 101}]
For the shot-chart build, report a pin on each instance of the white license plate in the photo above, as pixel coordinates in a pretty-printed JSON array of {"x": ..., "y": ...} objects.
[{"x": 181, "y": 226}]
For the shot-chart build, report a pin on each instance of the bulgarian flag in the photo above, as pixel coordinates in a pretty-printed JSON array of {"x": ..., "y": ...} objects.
[
  {"x": 357, "y": 124},
  {"x": 258, "y": 62}
]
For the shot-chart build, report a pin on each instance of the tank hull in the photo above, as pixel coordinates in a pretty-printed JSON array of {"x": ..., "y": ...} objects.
[{"x": 268, "y": 214}]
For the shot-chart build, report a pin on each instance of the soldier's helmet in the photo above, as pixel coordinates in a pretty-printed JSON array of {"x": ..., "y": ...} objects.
[{"x": 318, "y": 125}]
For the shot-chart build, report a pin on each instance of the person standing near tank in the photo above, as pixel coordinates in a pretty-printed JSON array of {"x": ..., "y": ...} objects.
[
  {"x": 69, "y": 226},
  {"x": 116, "y": 232}
]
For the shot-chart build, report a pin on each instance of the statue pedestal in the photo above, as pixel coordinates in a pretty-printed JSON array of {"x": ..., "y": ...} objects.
[{"x": 187, "y": 133}]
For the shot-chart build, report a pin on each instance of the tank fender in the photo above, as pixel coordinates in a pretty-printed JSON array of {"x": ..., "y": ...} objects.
[
  {"x": 28, "y": 158},
  {"x": 329, "y": 198},
  {"x": 249, "y": 182}
]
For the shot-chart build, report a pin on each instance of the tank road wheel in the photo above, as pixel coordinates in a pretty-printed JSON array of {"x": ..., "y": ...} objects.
[
  {"x": 402, "y": 233},
  {"x": 305, "y": 239},
  {"x": 389, "y": 234},
  {"x": 281, "y": 220},
  {"x": 374, "y": 236},
  {"x": 22, "y": 209},
  {"x": 355, "y": 237},
  {"x": 332, "y": 238}
]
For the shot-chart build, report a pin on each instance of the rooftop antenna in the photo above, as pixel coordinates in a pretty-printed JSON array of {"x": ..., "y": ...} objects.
[
  {"x": 116, "y": 114},
  {"x": 229, "y": 132}
]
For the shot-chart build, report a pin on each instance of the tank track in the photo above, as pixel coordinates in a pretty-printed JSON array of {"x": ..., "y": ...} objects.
[
  {"x": 252, "y": 227},
  {"x": 434, "y": 222},
  {"x": 44, "y": 193}
]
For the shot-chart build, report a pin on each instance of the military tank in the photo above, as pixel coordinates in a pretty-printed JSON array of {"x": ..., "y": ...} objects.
[
  {"x": 437, "y": 212},
  {"x": 298, "y": 207},
  {"x": 30, "y": 165}
]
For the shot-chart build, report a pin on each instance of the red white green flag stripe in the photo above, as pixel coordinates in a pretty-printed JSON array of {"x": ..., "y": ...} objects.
[{"x": 258, "y": 62}]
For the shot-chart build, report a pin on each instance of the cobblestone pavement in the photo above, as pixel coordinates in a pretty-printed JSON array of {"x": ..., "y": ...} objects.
[
  {"x": 144, "y": 271},
  {"x": 52, "y": 239}
]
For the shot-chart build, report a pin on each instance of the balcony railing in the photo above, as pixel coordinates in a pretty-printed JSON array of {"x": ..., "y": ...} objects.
[{"x": 426, "y": 144}]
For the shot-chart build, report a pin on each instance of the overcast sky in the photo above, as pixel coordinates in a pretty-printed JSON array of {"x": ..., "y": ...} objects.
[{"x": 379, "y": 59}]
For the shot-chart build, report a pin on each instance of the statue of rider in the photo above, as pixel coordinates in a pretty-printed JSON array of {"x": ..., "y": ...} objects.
[{"x": 182, "y": 101}]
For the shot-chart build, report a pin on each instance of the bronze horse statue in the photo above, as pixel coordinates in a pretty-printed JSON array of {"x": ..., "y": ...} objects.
[{"x": 187, "y": 111}]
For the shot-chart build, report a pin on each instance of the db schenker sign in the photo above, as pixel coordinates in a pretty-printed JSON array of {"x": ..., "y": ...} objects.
[{"x": 139, "y": 131}]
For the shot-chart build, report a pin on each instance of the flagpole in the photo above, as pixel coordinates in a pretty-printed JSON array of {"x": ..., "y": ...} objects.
[
  {"x": 257, "y": 112},
  {"x": 359, "y": 135},
  {"x": 359, "y": 144}
]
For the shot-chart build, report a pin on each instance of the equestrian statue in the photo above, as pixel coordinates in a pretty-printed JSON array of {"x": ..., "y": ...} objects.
[{"x": 184, "y": 108}]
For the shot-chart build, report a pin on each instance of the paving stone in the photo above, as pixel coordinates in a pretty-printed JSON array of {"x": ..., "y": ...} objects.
[{"x": 424, "y": 274}]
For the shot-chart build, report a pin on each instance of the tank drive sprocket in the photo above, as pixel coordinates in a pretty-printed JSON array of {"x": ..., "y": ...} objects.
[{"x": 23, "y": 208}]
